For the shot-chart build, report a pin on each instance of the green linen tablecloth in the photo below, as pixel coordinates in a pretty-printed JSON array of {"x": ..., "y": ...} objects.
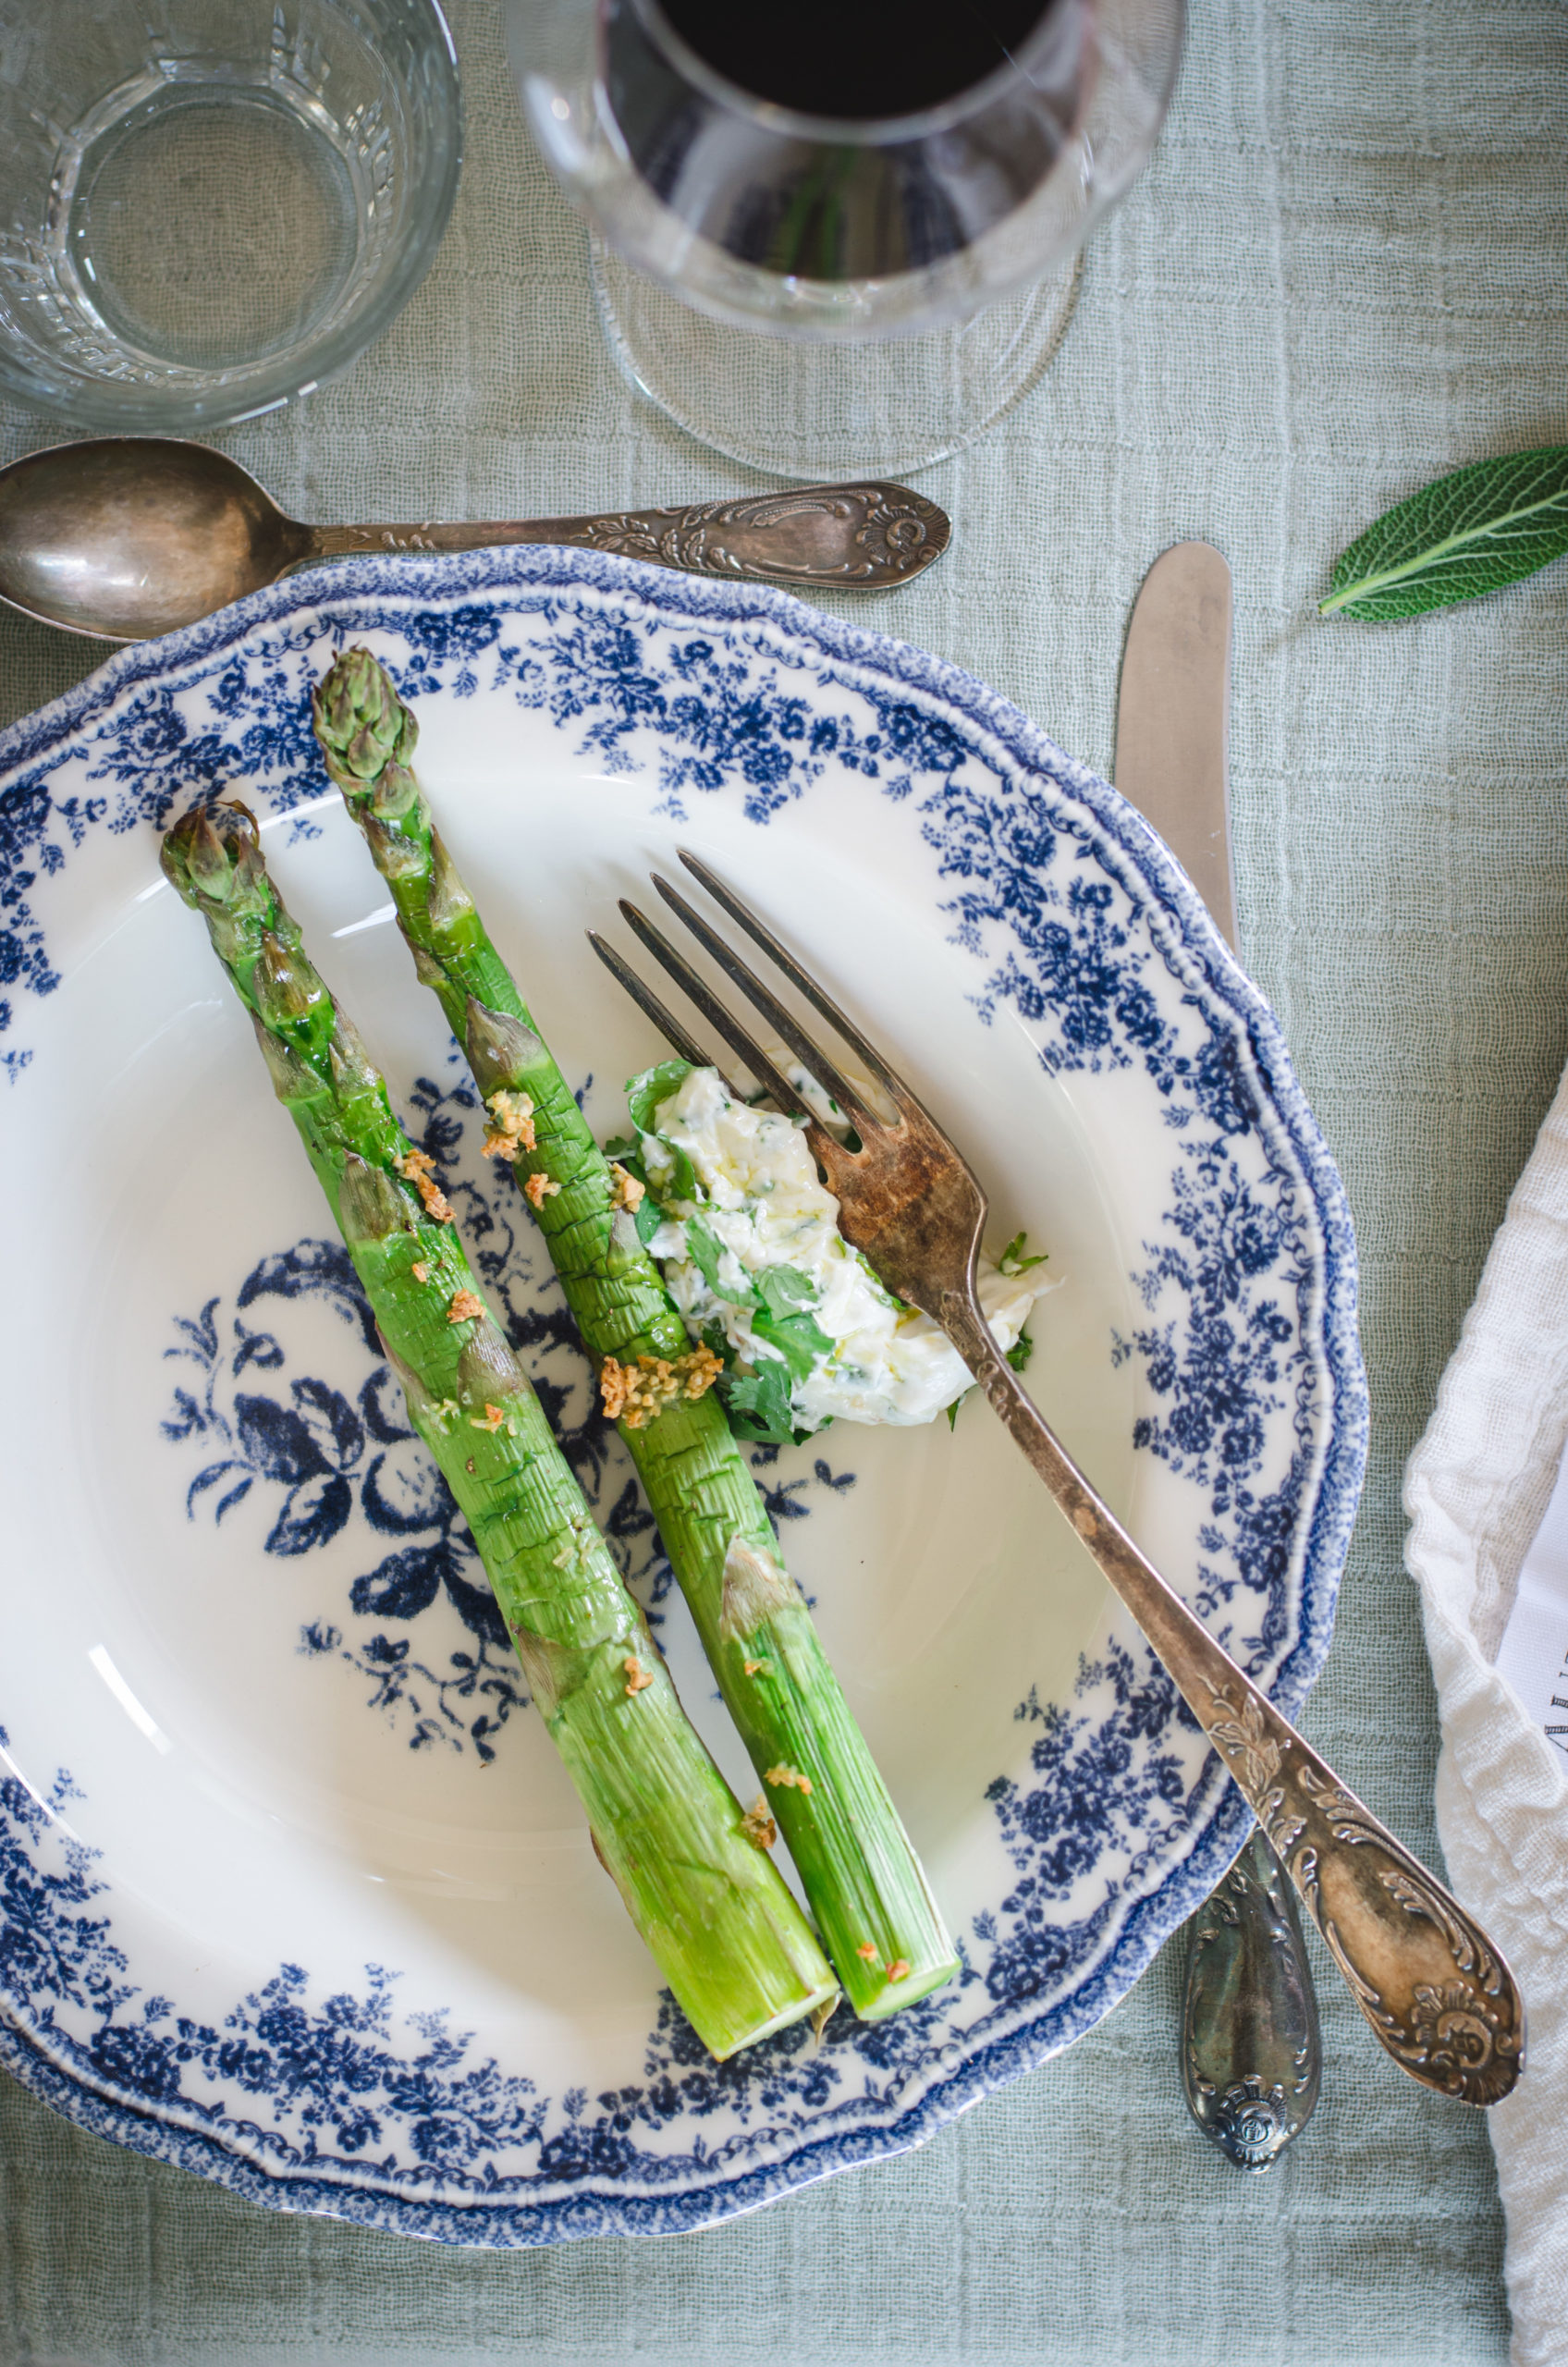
[{"x": 1343, "y": 273}]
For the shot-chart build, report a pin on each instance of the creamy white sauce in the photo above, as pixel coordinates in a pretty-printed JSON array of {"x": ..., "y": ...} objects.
[{"x": 767, "y": 1208}]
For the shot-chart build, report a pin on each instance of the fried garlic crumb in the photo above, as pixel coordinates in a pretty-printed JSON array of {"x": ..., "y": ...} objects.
[
  {"x": 703, "y": 1368},
  {"x": 491, "y": 1419},
  {"x": 540, "y": 1188},
  {"x": 758, "y": 1826},
  {"x": 784, "y": 1776},
  {"x": 637, "y": 1676},
  {"x": 898, "y": 1969},
  {"x": 511, "y": 1125},
  {"x": 420, "y": 1270},
  {"x": 635, "y": 1393},
  {"x": 628, "y": 1189},
  {"x": 464, "y": 1306},
  {"x": 441, "y": 1413},
  {"x": 867, "y": 1951},
  {"x": 419, "y": 1169},
  {"x": 613, "y": 1381}
]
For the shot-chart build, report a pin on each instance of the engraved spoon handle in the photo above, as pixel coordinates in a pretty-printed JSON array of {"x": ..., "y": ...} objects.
[
  {"x": 862, "y": 537},
  {"x": 1252, "y": 2052},
  {"x": 1435, "y": 1990}
]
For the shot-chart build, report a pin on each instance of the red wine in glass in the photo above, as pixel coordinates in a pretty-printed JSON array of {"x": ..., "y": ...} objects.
[{"x": 845, "y": 140}]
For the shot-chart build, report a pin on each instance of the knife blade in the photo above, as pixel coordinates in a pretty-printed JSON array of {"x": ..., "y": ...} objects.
[{"x": 1173, "y": 718}]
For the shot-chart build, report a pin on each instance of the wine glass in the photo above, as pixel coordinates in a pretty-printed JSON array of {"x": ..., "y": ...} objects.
[{"x": 786, "y": 200}]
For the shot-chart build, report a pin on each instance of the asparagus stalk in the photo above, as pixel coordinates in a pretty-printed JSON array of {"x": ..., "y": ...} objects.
[
  {"x": 873, "y": 1906},
  {"x": 718, "y": 1919}
]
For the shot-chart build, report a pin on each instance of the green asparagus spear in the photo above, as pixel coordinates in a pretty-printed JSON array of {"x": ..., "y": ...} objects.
[
  {"x": 720, "y": 1923},
  {"x": 873, "y": 1906}
]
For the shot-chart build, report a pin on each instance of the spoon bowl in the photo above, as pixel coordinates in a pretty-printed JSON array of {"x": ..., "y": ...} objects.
[
  {"x": 126, "y": 538},
  {"x": 131, "y": 537}
]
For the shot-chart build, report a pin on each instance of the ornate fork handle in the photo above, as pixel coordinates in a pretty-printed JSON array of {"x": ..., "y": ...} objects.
[
  {"x": 862, "y": 537},
  {"x": 1435, "y": 1990}
]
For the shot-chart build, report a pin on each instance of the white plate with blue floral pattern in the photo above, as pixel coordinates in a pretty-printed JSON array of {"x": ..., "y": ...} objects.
[{"x": 294, "y": 1892}]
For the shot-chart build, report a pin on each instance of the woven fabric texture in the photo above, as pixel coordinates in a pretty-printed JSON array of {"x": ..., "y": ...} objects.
[{"x": 1343, "y": 273}]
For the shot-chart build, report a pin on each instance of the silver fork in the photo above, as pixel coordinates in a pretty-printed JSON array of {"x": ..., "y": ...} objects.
[{"x": 1437, "y": 1995}]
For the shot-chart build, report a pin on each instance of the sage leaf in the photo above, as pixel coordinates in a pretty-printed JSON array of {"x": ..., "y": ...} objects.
[{"x": 1466, "y": 533}]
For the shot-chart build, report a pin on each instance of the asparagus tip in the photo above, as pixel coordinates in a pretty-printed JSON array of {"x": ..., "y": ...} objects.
[
  {"x": 364, "y": 727},
  {"x": 211, "y": 852}
]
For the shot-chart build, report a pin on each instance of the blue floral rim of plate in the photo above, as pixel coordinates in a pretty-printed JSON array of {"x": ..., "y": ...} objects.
[{"x": 764, "y": 749}]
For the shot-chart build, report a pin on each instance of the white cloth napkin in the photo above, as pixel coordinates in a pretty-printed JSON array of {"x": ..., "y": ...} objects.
[
  {"x": 1533, "y": 1655},
  {"x": 1480, "y": 1490}
]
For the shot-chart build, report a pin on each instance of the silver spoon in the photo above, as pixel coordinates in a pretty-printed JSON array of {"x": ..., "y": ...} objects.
[{"x": 129, "y": 536}]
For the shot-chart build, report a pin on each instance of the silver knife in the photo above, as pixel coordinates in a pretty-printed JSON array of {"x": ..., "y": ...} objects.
[
  {"x": 1173, "y": 718},
  {"x": 1251, "y": 2050}
]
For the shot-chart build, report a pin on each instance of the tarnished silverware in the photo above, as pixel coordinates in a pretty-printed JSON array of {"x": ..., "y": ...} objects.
[
  {"x": 1252, "y": 2054},
  {"x": 122, "y": 538},
  {"x": 1173, "y": 718},
  {"x": 1437, "y": 1995}
]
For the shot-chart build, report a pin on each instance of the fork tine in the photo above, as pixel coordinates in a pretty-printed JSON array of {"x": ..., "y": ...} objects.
[
  {"x": 851, "y": 1102},
  {"x": 799, "y": 979},
  {"x": 670, "y": 1027},
  {"x": 721, "y": 1020}
]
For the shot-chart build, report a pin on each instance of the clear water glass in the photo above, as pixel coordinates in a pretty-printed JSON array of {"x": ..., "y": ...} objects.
[{"x": 209, "y": 206}]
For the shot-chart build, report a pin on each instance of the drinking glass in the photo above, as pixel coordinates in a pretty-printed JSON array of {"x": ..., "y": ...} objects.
[
  {"x": 208, "y": 206},
  {"x": 727, "y": 219}
]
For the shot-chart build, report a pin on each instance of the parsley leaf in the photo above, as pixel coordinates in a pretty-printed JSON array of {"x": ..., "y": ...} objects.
[
  {"x": 645, "y": 1093},
  {"x": 678, "y": 1178},
  {"x": 706, "y": 1249},
  {"x": 758, "y": 1403},
  {"x": 784, "y": 1290},
  {"x": 629, "y": 1156},
  {"x": 1023, "y": 1348},
  {"x": 798, "y": 1340},
  {"x": 647, "y": 1216},
  {"x": 1013, "y": 1260}
]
